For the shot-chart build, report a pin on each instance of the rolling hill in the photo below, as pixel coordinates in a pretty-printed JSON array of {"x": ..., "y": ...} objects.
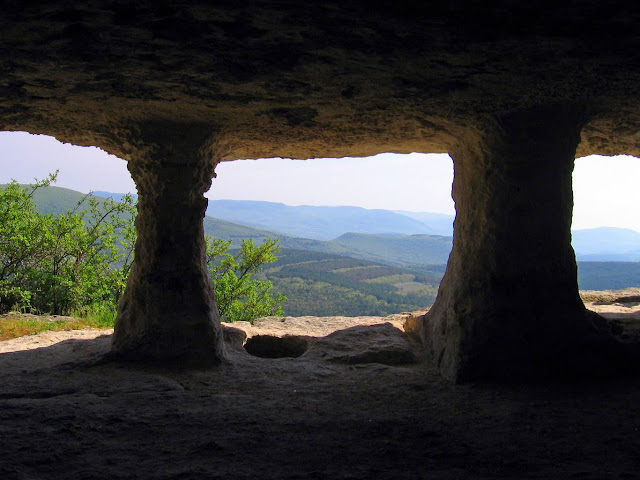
[
  {"x": 610, "y": 248},
  {"x": 55, "y": 200},
  {"x": 438, "y": 223},
  {"x": 390, "y": 249},
  {"x": 606, "y": 244},
  {"x": 323, "y": 284},
  {"x": 303, "y": 227},
  {"x": 399, "y": 249},
  {"x": 318, "y": 223}
]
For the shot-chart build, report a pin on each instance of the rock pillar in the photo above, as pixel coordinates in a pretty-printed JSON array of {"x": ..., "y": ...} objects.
[
  {"x": 508, "y": 307},
  {"x": 168, "y": 311}
]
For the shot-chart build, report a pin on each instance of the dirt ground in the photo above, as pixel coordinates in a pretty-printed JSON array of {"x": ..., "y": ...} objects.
[{"x": 360, "y": 403}]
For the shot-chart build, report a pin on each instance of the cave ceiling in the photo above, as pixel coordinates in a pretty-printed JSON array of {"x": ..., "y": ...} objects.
[{"x": 309, "y": 79}]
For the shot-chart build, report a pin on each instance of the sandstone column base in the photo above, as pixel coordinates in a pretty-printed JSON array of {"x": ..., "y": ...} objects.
[
  {"x": 168, "y": 311},
  {"x": 508, "y": 308}
]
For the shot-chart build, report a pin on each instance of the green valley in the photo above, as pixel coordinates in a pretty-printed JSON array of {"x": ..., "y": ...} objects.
[
  {"x": 368, "y": 273},
  {"x": 401, "y": 250},
  {"x": 323, "y": 284},
  {"x": 608, "y": 275}
]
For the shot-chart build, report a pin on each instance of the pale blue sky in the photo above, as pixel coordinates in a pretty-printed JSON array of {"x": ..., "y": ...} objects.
[{"x": 605, "y": 188}]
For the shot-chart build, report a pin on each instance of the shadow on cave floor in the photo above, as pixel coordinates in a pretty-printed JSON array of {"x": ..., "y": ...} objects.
[{"x": 63, "y": 415}]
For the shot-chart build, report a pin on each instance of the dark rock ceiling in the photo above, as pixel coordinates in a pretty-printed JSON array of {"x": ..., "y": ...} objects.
[{"x": 305, "y": 79}]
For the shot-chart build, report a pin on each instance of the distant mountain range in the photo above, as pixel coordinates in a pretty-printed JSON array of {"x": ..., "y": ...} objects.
[
  {"x": 396, "y": 238},
  {"x": 319, "y": 271},
  {"x": 438, "y": 223},
  {"x": 608, "y": 244},
  {"x": 327, "y": 223},
  {"x": 323, "y": 223},
  {"x": 388, "y": 266}
]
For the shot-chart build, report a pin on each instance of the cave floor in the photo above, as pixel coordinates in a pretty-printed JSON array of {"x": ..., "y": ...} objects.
[{"x": 64, "y": 415}]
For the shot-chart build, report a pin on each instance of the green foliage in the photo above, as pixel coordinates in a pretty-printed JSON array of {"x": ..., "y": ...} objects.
[
  {"x": 100, "y": 315},
  {"x": 240, "y": 296},
  {"x": 16, "y": 325},
  {"x": 608, "y": 275},
  {"x": 60, "y": 263},
  {"x": 77, "y": 261},
  {"x": 323, "y": 284},
  {"x": 22, "y": 245}
]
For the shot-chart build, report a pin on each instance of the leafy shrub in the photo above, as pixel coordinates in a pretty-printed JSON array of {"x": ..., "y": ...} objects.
[
  {"x": 240, "y": 296},
  {"x": 56, "y": 264},
  {"x": 77, "y": 262}
]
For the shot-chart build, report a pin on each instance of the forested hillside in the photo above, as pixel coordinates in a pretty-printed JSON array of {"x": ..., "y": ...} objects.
[
  {"x": 323, "y": 284},
  {"x": 608, "y": 275},
  {"x": 359, "y": 274},
  {"x": 399, "y": 249}
]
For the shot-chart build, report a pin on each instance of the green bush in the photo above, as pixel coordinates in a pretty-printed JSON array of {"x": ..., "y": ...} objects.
[
  {"x": 58, "y": 263},
  {"x": 77, "y": 262},
  {"x": 240, "y": 296},
  {"x": 102, "y": 315}
]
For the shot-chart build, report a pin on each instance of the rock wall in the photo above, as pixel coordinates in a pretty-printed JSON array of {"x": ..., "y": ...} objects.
[{"x": 330, "y": 79}]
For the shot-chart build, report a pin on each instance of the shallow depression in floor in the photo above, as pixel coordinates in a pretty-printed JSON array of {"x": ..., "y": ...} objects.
[{"x": 268, "y": 346}]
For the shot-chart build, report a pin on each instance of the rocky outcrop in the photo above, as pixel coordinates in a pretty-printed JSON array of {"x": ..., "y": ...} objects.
[
  {"x": 62, "y": 410},
  {"x": 384, "y": 344}
]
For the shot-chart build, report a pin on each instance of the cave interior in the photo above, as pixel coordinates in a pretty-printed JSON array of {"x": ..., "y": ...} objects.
[{"x": 513, "y": 91}]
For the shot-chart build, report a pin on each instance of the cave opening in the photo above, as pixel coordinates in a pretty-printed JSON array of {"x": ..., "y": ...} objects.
[
  {"x": 25, "y": 157},
  {"x": 332, "y": 263},
  {"x": 606, "y": 226},
  {"x": 320, "y": 261},
  {"x": 372, "y": 238}
]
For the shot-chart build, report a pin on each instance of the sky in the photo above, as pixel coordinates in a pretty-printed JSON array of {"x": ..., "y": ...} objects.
[{"x": 605, "y": 189}]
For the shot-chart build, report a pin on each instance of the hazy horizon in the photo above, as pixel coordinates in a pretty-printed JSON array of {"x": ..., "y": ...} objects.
[{"x": 605, "y": 194}]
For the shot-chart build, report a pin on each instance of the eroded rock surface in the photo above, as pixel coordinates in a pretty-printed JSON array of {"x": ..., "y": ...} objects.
[
  {"x": 329, "y": 79},
  {"x": 346, "y": 340},
  {"x": 383, "y": 344},
  {"x": 62, "y": 412},
  {"x": 511, "y": 280},
  {"x": 621, "y": 308}
]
